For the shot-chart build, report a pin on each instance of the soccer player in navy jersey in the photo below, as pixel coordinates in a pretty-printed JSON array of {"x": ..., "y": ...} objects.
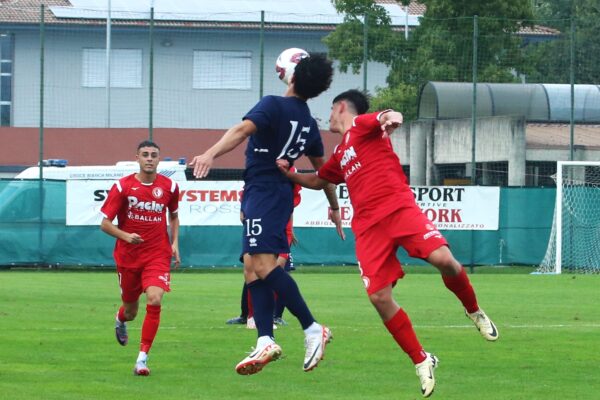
[
  {"x": 284, "y": 260},
  {"x": 277, "y": 127},
  {"x": 143, "y": 249},
  {"x": 386, "y": 216}
]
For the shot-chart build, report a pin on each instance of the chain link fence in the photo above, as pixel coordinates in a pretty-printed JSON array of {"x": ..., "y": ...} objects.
[
  {"x": 181, "y": 79},
  {"x": 487, "y": 101}
]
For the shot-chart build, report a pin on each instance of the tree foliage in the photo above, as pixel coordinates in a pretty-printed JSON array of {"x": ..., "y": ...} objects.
[
  {"x": 550, "y": 61},
  {"x": 440, "y": 48}
]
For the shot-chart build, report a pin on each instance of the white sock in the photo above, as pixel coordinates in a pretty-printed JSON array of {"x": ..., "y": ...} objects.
[
  {"x": 313, "y": 329},
  {"x": 143, "y": 356},
  {"x": 264, "y": 341}
]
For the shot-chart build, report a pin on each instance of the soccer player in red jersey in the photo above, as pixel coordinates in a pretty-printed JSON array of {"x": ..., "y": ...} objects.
[
  {"x": 143, "y": 250},
  {"x": 386, "y": 216}
]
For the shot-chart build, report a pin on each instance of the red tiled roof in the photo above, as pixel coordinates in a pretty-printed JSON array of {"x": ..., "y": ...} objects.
[
  {"x": 414, "y": 8},
  {"x": 539, "y": 30},
  {"x": 28, "y": 12},
  {"x": 553, "y": 136}
]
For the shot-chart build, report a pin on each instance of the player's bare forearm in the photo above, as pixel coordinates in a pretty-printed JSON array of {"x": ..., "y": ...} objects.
[
  {"x": 174, "y": 224},
  {"x": 229, "y": 141},
  {"x": 331, "y": 196},
  {"x": 232, "y": 138},
  {"x": 109, "y": 228},
  {"x": 329, "y": 189},
  {"x": 311, "y": 181}
]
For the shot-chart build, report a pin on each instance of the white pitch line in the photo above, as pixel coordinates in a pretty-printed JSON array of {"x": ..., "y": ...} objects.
[
  {"x": 187, "y": 327},
  {"x": 550, "y": 326}
]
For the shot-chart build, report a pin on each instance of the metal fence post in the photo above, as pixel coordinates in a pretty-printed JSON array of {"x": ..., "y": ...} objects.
[
  {"x": 365, "y": 50},
  {"x": 474, "y": 129},
  {"x": 262, "y": 54},
  {"x": 41, "y": 139},
  {"x": 151, "y": 79},
  {"x": 572, "y": 81}
]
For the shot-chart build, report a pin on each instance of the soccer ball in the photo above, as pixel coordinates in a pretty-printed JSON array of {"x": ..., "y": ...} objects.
[{"x": 287, "y": 61}]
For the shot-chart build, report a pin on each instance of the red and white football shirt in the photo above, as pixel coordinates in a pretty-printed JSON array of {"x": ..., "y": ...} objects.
[
  {"x": 142, "y": 209},
  {"x": 366, "y": 161}
]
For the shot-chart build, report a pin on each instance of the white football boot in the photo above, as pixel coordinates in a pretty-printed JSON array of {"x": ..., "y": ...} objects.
[
  {"x": 141, "y": 369},
  {"x": 315, "y": 347},
  {"x": 257, "y": 360},
  {"x": 485, "y": 325},
  {"x": 425, "y": 374}
]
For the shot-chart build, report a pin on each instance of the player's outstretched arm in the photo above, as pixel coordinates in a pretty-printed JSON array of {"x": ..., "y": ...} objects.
[
  {"x": 108, "y": 227},
  {"x": 229, "y": 141},
  {"x": 334, "y": 207},
  {"x": 311, "y": 181}
]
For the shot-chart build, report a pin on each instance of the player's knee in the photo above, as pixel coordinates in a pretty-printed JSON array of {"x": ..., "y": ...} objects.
[
  {"x": 130, "y": 314},
  {"x": 445, "y": 262},
  {"x": 154, "y": 300},
  {"x": 380, "y": 299}
]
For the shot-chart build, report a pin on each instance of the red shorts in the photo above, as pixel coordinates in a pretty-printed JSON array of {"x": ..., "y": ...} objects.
[
  {"x": 377, "y": 246},
  {"x": 135, "y": 281}
]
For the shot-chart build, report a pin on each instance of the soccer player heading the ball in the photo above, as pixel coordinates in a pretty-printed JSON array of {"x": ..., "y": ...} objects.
[
  {"x": 143, "y": 250},
  {"x": 277, "y": 127},
  {"x": 386, "y": 216}
]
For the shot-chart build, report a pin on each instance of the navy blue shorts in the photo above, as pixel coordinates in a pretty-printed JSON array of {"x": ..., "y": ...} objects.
[{"x": 267, "y": 207}]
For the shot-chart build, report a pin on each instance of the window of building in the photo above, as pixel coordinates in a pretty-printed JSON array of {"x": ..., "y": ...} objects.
[
  {"x": 6, "y": 77},
  {"x": 125, "y": 68},
  {"x": 222, "y": 70}
]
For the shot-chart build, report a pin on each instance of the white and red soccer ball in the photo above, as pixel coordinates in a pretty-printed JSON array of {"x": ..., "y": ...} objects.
[{"x": 287, "y": 61}]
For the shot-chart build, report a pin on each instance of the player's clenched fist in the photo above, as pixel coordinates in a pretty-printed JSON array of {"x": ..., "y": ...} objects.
[{"x": 283, "y": 165}]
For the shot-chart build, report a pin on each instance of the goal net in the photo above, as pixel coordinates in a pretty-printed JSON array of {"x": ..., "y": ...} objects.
[{"x": 574, "y": 244}]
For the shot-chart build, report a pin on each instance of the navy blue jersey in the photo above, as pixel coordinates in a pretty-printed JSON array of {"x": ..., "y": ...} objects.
[{"x": 285, "y": 129}]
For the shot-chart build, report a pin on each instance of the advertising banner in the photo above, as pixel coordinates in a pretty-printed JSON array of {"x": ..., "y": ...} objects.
[{"x": 217, "y": 203}]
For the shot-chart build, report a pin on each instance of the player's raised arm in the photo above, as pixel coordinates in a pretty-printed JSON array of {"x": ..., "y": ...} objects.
[
  {"x": 229, "y": 141},
  {"x": 390, "y": 120}
]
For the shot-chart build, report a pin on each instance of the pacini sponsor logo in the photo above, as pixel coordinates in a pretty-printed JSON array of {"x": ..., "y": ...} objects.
[
  {"x": 145, "y": 205},
  {"x": 349, "y": 154}
]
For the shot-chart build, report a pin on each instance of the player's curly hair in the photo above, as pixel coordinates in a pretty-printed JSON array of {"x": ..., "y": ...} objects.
[
  {"x": 312, "y": 76},
  {"x": 358, "y": 100}
]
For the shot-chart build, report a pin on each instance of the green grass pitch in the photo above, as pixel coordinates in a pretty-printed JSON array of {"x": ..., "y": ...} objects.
[{"x": 57, "y": 339}]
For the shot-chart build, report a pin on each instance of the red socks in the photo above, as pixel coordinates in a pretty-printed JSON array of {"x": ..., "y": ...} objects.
[
  {"x": 121, "y": 314},
  {"x": 402, "y": 330},
  {"x": 150, "y": 327},
  {"x": 461, "y": 287}
]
